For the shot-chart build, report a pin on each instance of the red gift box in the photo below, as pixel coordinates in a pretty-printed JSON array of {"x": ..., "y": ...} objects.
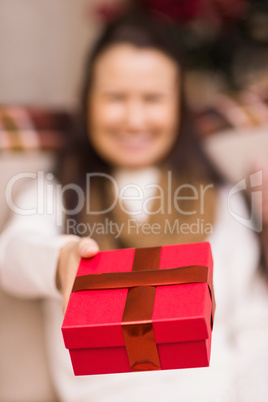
[{"x": 141, "y": 309}]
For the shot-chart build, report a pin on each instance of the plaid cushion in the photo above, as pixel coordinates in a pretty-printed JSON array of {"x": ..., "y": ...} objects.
[
  {"x": 25, "y": 128},
  {"x": 236, "y": 111}
]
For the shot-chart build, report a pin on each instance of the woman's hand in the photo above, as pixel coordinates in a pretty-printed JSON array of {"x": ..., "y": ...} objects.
[{"x": 70, "y": 255}]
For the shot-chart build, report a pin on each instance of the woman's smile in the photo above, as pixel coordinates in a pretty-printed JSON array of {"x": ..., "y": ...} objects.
[{"x": 136, "y": 142}]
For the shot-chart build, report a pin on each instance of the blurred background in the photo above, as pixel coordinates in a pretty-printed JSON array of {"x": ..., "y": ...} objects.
[
  {"x": 42, "y": 50},
  {"x": 43, "y": 43}
]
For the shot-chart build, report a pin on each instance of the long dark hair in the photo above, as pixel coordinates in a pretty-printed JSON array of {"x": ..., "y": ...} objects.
[
  {"x": 78, "y": 157},
  {"x": 143, "y": 31}
]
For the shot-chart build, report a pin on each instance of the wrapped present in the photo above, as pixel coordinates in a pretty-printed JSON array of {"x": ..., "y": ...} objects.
[{"x": 141, "y": 309}]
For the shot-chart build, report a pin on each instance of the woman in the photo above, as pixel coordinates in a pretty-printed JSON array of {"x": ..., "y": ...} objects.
[{"x": 135, "y": 158}]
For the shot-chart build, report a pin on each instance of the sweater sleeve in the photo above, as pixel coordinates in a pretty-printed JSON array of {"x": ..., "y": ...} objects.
[
  {"x": 30, "y": 244},
  {"x": 241, "y": 300}
]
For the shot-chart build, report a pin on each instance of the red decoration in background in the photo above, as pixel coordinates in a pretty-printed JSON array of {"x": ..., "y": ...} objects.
[
  {"x": 225, "y": 13},
  {"x": 177, "y": 10},
  {"x": 187, "y": 10},
  {"x": 229, "y": 8},
  {"x": 107, "y": 12}
]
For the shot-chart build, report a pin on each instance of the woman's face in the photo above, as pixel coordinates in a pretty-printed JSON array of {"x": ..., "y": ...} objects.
[{"x": 133, "y": 106}]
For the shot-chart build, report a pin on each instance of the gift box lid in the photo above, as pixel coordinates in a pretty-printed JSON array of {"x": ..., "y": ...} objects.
[{"x": 180, "y": 313}]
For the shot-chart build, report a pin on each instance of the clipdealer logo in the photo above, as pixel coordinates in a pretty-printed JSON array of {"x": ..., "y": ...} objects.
[
  {"x": 133, "y": 199},
  {"x": 254, "y": 221},
  {"x": 50, "y": 195}
]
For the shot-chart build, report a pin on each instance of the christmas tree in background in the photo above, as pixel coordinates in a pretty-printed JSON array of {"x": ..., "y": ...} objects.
[{"x": 229, "y": 37}]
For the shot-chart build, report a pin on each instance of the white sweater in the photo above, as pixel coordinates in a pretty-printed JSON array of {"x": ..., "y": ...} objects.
[{"x": 29, "y": 250}]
